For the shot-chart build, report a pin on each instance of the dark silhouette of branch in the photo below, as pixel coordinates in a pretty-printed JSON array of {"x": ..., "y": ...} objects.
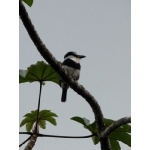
[
  {"x": 25, "y": 141},
  {"x": 38, "y": 109},
  {"x": 115, "y": 125},
  {"x": 59, "y": 136},
  {"x": 30, "y": 133},
  {"x": 70, "y": 137},
  {"x": 105, "y": 144}
]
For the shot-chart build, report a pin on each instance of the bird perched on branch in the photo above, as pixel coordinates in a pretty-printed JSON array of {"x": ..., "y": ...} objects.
[{"x": 72, "y": 65}]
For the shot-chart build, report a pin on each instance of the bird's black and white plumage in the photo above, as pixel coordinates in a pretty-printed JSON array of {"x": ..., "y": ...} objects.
[{"x": 72, "y": 65}]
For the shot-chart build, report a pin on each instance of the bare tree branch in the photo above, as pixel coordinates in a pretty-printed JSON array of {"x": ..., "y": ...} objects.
[
  {"x": 115, "y": 125},
  {"x": 29, "y": 133},
  {"x": 69, "y": 137},
  {"x": 105, "y": 144},
  {"x": 25, "y": 141}
]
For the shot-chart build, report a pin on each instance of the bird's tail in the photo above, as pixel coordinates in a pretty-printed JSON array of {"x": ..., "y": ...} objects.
[{"x": 64, "y": 95}]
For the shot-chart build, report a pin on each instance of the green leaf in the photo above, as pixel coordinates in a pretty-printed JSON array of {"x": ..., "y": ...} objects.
[
  {"x": 44, "y": 115},
  {"x": 42, "y": 124},
  {"x": 115, "y": 145},
  {"x": 30, "y": 115},
  {"x": 95, "y": 140},
  {"x": 34, "y": 112},
  {"x": 126, "y": 128},
  {"x": 86, "y": 123},
  {"x": 48, "y": 116},
  {"x": 22, "y": 73},
  {"x": 53, "y": 114},
  {"x": 108, "y": 122},
  {"x": 29, "y": 126},
  {"x": 123, "y": 128},
  {"x": 121, "y": 133},
  {"x": 28, "y": 2},
  {"x": 92, "y": 127},
  {"x": 39, "y": 72},
  {"x": 51, "y": 120},
  {"x": 121, "y": 136},
  {"x": 27, "y": 120},
  {"x": 80, "y": 120}
]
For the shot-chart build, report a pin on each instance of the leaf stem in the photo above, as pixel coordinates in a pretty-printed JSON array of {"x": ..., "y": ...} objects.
[{"x": 38, "y": 109}]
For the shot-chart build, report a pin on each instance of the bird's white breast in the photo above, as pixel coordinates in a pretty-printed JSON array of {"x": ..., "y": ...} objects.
[{"x": 75, "y": 59}]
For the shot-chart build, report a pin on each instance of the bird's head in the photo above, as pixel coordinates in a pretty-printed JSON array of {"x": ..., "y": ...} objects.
[{"x": 73, "y": 55}]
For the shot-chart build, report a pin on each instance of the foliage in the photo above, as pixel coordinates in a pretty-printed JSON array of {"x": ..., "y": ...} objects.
[
  {"x": 28, "y": 2},
  {"x": 119, "y": 134},
  {"x": 44, "y": 115},
  {"x": 122, "y": 133},
  {"x": 40, "y": 72}
]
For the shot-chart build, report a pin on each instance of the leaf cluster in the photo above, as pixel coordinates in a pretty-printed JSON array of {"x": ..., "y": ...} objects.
[
  {"x": 122, "y": 133},
  {"x": 44, "y": 115},
  {"x": 40, "y": 72}
]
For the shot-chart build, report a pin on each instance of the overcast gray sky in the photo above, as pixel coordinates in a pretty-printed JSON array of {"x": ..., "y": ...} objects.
[{"x": 100, "y": 30}]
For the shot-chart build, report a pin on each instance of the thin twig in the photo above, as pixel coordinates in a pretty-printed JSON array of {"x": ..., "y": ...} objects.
[
  {"x": 25, "y": 141},
  {"x": 70, "y": 137},
  {"x": 38, "y": 109},
  {"x": 30, "y": 133},
  {"x": 58, "y": 136}
]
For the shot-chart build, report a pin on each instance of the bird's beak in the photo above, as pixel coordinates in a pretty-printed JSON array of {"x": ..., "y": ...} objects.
[{"x": 81, "y": 56}]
